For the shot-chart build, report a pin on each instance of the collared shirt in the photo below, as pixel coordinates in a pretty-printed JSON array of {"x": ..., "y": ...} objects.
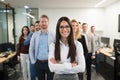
[
  {"x": 34, "y": 45},
  {"x": 27, "y": 41},
  {"x": 43, "y": 47},
  {"x": 90, "y": 42},
  {"x": 97, "y": 42},
  {"x": 64, "y": 66}
]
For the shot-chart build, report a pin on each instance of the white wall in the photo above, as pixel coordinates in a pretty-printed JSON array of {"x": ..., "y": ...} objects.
[
  {"x": 88, "y": 15},
  {"x": 111, "y": 22},
  {"x": 104, "y": 19}
]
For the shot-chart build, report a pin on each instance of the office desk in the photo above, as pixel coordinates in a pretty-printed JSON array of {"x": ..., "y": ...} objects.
[
  {"x": 3, "y": 62},
  {"x": 108, "y": 64},
  {"x": 106, "y": 51},
  {"x": 3, "y": 59}
]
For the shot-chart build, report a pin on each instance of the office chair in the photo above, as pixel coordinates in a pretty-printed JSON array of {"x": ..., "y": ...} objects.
[
  {"x": 117, "y": 61},
  {"x": 10, "y": 67}
]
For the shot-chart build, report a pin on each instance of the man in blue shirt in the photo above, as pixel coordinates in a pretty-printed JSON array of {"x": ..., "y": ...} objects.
[
  {"x": 33, "y": 28},
  {"x": 39, "y": 49}
]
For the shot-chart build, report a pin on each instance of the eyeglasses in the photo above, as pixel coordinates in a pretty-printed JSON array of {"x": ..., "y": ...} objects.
[{"x": 62, "y": 27}]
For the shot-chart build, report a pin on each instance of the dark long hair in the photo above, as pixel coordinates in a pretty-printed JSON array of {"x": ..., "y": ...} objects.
[
  {"x": 23, "y": 29},
  {"x": 72, "y": 47}
]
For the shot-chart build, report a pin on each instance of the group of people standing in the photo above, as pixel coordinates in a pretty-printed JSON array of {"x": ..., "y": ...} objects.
[{"x": 63, "y": 56}]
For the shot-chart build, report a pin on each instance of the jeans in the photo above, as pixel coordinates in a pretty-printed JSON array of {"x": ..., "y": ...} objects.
[
  {"x": 88, "y": 65},
  {"x": 32, "y": 72},
  {"x": 97, "y": 62}
]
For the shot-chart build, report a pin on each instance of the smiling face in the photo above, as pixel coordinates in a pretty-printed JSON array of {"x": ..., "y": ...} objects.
[
  {"x": 75, "y": 26},
  {"x": 84, "y": 28},
  {"x": 44, "y": 23},
  {"x": 37, "y": 26},
  {"x": 25, "y": 31},
  {"x": 32, "y": 28},
  {"x": 64, "y": 30},
  {"x": 92, "y": 29}
]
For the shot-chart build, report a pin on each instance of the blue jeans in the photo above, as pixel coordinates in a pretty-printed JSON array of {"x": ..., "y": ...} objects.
[
  {"x": 97, "y": 62},
  {"x": 88, "y": 65},
  {"x": 32, "y": 72}
]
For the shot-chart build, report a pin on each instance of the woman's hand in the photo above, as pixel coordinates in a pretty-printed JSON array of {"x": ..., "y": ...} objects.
[
  {"x": 93, "y": 57},
  {"x": 98, "y": 51},
  {"x": 18, "y": 58},
  {"x": 53, "y": 60},
  {"x": 74, "y": 64}
]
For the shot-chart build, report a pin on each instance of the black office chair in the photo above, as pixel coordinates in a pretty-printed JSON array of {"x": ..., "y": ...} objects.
[
  {"x": 10, "y": 67},
  {"x": 117, "y": 61},
  {"x": 11, "y": 64}
]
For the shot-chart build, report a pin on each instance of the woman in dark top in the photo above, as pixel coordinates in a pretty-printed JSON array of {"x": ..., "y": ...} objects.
[
  {"x": 77, "y": 36},
  {"x": 23, "y": 53}
]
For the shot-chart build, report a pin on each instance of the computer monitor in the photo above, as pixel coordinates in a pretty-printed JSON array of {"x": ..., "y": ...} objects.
[
  {"x": 5, "y": 47},
  {"x": 116, "y": 45},
  {"x": 105, "y": 41},
  {"x": 116, "y": 42}
]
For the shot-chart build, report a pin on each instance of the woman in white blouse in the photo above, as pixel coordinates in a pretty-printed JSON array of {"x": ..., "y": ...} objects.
[{"x": 66, "y": 57}]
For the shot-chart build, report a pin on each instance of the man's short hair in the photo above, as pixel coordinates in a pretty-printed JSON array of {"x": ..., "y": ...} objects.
[
  {"x": 37, "y": 21},
  {"x": 44, "y": 16}
]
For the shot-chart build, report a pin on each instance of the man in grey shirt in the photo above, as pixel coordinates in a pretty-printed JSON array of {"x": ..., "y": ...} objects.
[{"x": 91, "y": 49}]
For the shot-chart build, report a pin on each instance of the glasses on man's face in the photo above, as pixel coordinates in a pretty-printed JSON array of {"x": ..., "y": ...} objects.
[{"x": 66, "y": 27}]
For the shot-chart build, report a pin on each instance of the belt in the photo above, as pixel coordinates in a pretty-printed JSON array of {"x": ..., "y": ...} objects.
[{"x": 42, "y": 60}]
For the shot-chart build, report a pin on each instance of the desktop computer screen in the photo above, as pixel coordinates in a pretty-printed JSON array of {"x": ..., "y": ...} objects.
[
  {"x": 116, "y": 45},
  {"x": 5, "y": 47},
  {"x": 105, "y": 41},
  {"x": 116, "y": 42}
]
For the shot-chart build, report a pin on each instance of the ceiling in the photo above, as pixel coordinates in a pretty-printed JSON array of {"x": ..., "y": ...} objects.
[{"x": 58, "y": 3}]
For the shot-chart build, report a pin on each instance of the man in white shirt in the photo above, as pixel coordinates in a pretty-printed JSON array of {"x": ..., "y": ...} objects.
[{"x": 91, "y": 49}]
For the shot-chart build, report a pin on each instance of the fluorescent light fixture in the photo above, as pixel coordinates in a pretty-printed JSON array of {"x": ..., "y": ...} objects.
[
  {"x": 26, "y": 7},
  {"x": 28, "y": 15},
  {"x": 2, "y": 0},
  {"x": 101, "y": 2}
]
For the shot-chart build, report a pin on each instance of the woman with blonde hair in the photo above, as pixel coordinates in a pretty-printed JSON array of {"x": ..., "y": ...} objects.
[{"x": 78, "y": 36}]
